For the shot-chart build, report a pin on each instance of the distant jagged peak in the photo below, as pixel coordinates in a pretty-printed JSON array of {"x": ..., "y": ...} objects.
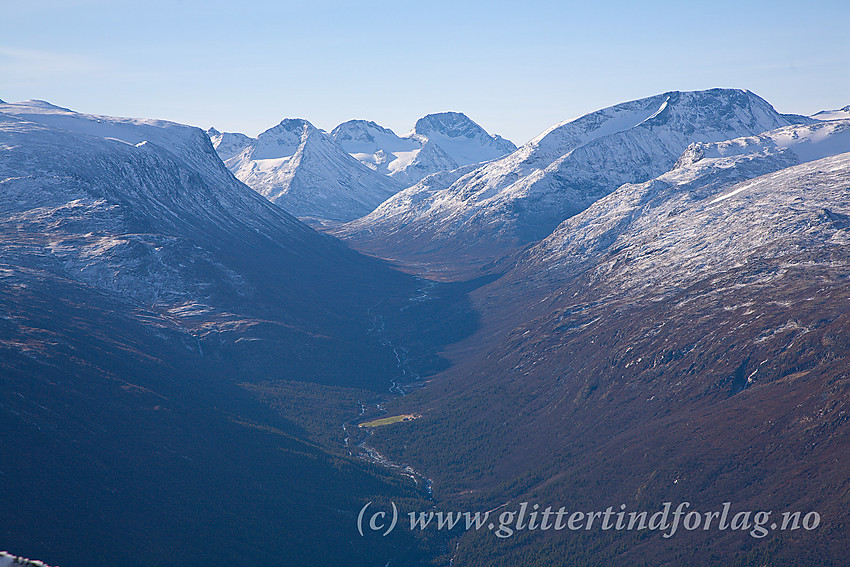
[
  {"x": 368, "y": 137},
  {"x": 430, "y": 159},
  {"x": 460, "y": 138},
  {"x": 451, "y": 124},
  {"x": 213, "y": 133},
  {"x": 304, "y": 171},
  {"x": 457, "y": 125},
  {"x": 288, "y": 128},
  {"x": 359, "y": 130},
  {"x": 283, "y": 140},
  {"x": 229, "y": 144},
  {"x": 432, "y": 151}
]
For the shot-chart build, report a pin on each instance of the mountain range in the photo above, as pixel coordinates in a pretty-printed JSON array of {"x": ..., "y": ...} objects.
[
  {"x": 301, "y": 169},
  {"x": 438, "y": 142},
  {"x": 522, "y": 197},
  {"x": 646, "y": 304},
  {"x": 312, "y": 175}
]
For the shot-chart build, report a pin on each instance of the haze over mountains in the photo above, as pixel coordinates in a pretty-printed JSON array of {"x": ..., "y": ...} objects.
[{"x": 649, "y": 304}]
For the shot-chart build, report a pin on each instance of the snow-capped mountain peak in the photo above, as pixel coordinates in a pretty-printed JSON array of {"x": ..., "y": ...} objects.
[
  {"x": 451, "y": 124},
  {"x": 365, "y": 136},
  {"x": 685, "y": 212},
  {"x": 712, "y": 114},
  {"x": 120, "y": 195},
  {"x": 302, "y": 169},
  {"x": 437, "y": 142},
  {"x": 185, "y": 142},
  {"x": 461, "y": 138},
  {"x": 283, "y": 140},
  {"x": 523, "y": 196},
  {"x": 376, "y": 147},
  {"x": 228, "y": 144}
]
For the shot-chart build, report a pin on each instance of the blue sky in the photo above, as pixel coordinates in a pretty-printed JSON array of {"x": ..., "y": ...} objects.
[{"x": 516, "y": 68}]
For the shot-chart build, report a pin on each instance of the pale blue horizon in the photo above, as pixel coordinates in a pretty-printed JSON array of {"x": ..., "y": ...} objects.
[{"x": 515, "y": 68}]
